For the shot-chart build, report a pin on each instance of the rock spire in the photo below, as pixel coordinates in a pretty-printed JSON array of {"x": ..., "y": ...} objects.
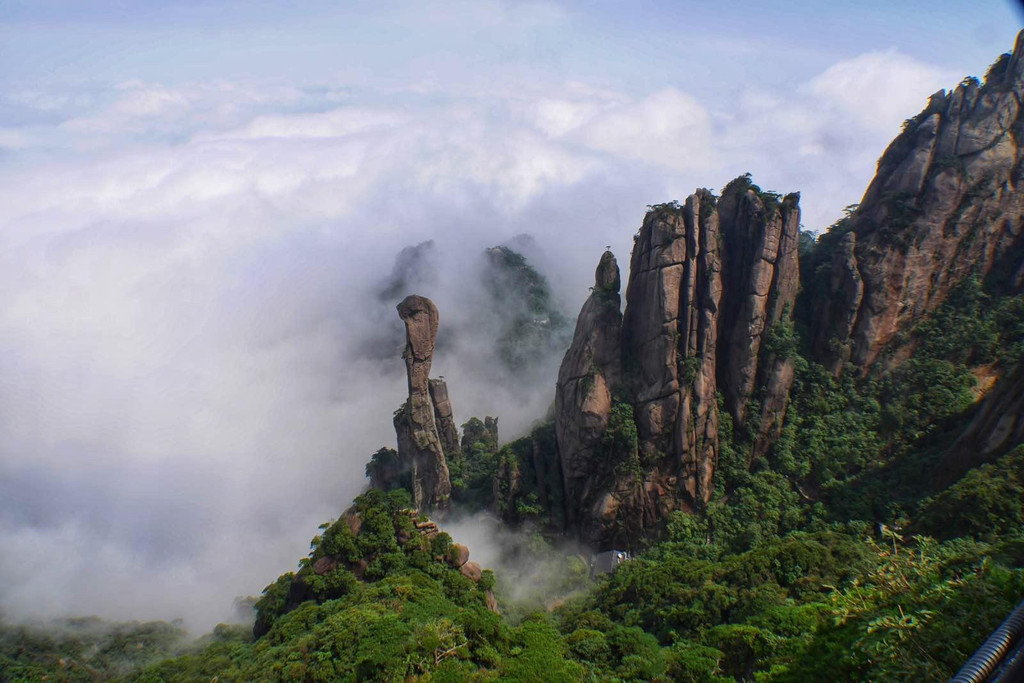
[
  {"x": 424, "y": 424},
  {"x": 711, "y": 281}
]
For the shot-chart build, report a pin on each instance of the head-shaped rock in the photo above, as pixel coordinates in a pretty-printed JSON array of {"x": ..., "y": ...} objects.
[{"x": 421, "y": 319}]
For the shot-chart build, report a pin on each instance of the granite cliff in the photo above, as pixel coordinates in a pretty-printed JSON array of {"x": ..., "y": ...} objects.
[
  {"x": 945, "y": 203},
  {"x": 637, "y": 408}
]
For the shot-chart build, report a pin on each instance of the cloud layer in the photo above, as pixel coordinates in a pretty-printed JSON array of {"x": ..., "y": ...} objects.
[{"x": 190, "y": 276}]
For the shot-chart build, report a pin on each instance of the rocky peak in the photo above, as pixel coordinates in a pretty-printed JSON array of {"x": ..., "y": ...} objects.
[
  {"x": 417, "y": 423},
  {"x": 670, "y": 336},
  {"x": 943, "y": 204},
  {"x": 589, "y": 374},
  {"x": 709, "y": 281}
]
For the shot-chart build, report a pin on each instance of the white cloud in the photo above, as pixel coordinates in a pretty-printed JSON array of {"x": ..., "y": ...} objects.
[
  {"x": 879, "y": 89},
  {"x": 334, "y": 123}
]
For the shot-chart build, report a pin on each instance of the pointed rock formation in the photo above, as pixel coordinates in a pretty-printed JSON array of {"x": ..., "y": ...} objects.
[
  {"x": 589, "y": 373},
  {"x": 670, "y": 336},
  {"x": 944, "y": 203},
  {"x": 709, "y": 282},
  {"x": 416, "y": 423}
]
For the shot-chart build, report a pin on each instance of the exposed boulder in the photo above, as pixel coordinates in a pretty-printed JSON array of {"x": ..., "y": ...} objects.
[
  {"x": 415, "y": 425},
  {"x": 491, "y": 602},
  {"x": 472, "y": 571},
  {"x": 325, "y": 565},
  {"x": 354, "y": 521},
  {"x": 944, "y": 204},
  {"x": 459, "y": 555}
]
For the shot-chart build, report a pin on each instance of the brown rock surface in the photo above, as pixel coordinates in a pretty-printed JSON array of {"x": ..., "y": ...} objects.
[
  {"x": 707, "y": 284},
  {"x": 492, "y": 602},
  {"x": 670, "y": 337},
  {"x": 353, "y": 520},
  {"x": 583, "y": 397},
  {"x": 324, "y": 565},
  {"x": 459, "y": 555},
  {"x": 761, "y": 277},
  {"x": 418, "y": 440},
  {"x": 760, "y": 281},
  {"x": 943, "y": 204},
  {"x": 447, "y": 432},
  {"x": 997, "y": 427},
  {"x": 472, "y": 571}
]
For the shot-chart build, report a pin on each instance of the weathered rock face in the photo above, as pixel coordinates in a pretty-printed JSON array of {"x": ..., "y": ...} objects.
[
  {"x": 997, "y": 427},
  {"x": 944, "y": 203},
  {"x": 416, "y": 423},
  {"x": 447, "y": 432},
  {"x": 760, "y": 280},
  {"x": 589, "y": 372},
  {"x": 707, "y": 284},
  {"x": 670, "y": 337}
]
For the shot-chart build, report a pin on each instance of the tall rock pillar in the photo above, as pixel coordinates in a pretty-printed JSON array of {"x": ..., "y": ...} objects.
[
  {"x": 419, "y": 442},
  {"x": 589, "y": 374}
]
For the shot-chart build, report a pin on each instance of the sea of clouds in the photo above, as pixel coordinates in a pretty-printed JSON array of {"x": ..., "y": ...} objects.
[{"x": 189, "y": 277}]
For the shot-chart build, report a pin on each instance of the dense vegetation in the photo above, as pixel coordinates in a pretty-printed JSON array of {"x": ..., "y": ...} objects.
[
  {"x": 836, "y": 557},
  {"x": 531, "y": 328}
]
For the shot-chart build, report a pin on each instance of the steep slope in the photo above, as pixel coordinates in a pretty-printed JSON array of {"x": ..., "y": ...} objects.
[{"x": 945, "y": 203}]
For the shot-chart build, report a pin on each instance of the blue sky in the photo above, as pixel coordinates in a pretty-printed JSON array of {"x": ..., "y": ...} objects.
[
  {"x": 612, "y": 42},
  {"x": 199, "y": 202}
]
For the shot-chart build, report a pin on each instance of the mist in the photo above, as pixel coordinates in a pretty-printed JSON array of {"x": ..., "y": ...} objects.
[{"x": 196, "y": 360}]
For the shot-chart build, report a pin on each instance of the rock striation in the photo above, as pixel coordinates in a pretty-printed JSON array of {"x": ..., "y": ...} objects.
[
  {"x": 709, "y": 282},
  {"x": 670, "y": 340},
  {"x": 424, "y": 424},
  {"x": 761, "y": 278},
  {"x": 945, "y": 203},
  {"x": 589, "y": 373}
]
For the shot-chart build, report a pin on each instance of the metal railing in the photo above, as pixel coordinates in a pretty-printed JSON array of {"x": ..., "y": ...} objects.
[{"x": 1001, "y": 657}]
